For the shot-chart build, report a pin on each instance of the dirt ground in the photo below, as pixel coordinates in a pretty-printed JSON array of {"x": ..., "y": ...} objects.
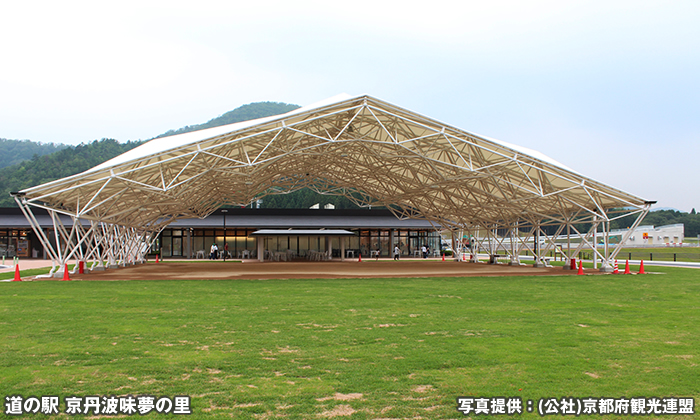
[{"x": 306, "y": 270}]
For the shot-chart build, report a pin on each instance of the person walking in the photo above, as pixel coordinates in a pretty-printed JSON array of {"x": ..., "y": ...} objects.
[
  {"x": 397, "y": 252},
  {"x": 212, "y": 251}
]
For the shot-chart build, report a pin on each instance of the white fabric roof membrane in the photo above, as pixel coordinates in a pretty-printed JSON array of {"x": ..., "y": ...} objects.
[
  {"x": 163, "y": 144},
  {"x": 171, "y": 142},
  {"x": 371, "y": 151}
]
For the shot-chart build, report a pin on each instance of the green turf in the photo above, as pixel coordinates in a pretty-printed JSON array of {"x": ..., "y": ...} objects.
[
  {"x": 685, "y": 253},
  {"x": 284, "y": 348}
]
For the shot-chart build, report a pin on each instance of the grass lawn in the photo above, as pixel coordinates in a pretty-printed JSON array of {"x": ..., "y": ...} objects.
[
  {"x": 380, "y": 348},
  {"x": 685, "y": 253}
]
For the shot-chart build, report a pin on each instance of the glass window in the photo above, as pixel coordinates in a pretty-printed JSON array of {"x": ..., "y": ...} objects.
[
  {"x": 240, "y": 244},
  {"x": 365, "y": 245},
  {"x": 198, "y": 244},
  {"x": 353, "y": 242},
  {"x": 384, "y": 246},
  {"x": 303, "y": 246},
  {"x": 177, "y": 247},
  {"x": 250, "y": 244},
  {"x": 166, "y": 247}
]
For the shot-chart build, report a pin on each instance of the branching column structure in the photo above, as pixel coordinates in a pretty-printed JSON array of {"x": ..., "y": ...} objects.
[{"x": 102, "y": 244}]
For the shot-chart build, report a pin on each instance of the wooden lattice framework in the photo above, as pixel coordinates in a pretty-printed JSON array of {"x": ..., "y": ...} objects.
[{"x": 373, "y": 152}]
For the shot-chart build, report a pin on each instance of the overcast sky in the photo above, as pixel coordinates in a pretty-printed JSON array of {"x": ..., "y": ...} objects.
[{"x": 609, "y": 88}]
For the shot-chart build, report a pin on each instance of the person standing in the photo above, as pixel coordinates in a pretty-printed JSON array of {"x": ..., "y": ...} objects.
[
  {"x": 424, "y": 251},
  {"x": 212, "y": 251},
  {"x": 397, "y": 252}
]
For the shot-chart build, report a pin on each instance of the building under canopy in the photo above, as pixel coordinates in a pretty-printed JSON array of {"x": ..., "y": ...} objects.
[{"x": 373, "y": 152}]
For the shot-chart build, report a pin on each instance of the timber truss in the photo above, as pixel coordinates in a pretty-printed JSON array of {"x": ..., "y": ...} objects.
[{"x": 373, "y": 152}]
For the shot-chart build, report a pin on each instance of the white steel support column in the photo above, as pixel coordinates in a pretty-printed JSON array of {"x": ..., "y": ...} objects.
[
  {"x": 455, "y": 254},
  {"x": 595, "y": 242},
  {"x": 45, "y": 242},
  {"x": 605, "y": 265},
  {"x": 567, "y": 264},
  {"x": 631, "y": 229},
  {"x": 514, "y": 254},
  {"x": 538, "y": 246}
]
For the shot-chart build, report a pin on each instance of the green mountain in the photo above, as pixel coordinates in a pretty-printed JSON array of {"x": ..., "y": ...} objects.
[
  {"x": 25, "y": 164},
  {"x": 242, "y": 113},
  {"x": 305, "y": 198},
  {"x": 15, "y": 151},
  {"x": 66, "y": 162}
]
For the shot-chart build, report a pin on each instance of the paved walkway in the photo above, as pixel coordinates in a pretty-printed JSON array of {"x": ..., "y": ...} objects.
[{"x": 24, "y": 264}]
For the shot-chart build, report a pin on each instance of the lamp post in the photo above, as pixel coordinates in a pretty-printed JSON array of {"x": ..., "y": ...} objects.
[{"x": 225, "y": 248}]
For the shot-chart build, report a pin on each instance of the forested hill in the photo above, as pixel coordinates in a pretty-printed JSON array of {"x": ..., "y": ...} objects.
[
  {"x": 691, "y": 221},
  {"x": 31, "y": 163},
  {"x": 243, "y": 113},
  {"x": 69, "y": 161},
  {"x": 15, "y": 151}
]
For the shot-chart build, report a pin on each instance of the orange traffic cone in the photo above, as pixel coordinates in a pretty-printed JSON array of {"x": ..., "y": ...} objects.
[
  {"x": 17, "y": 278},
  {"x": 580, "y": 268},
  {"x": 641, "y": 267},
  {"x": 359, "y": 257},
  {"x": 464, "y": 257},
  {"x": 616, "y": 270},
  {"x": 627, "y": 267},
  {"x": 443, "y": 256},
  {"x": 157, "y": 259},
  {"x": 66, "y": 277}
]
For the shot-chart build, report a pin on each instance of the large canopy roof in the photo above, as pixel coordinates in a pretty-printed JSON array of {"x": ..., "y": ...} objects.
[{"x": 369, "y": 150}]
